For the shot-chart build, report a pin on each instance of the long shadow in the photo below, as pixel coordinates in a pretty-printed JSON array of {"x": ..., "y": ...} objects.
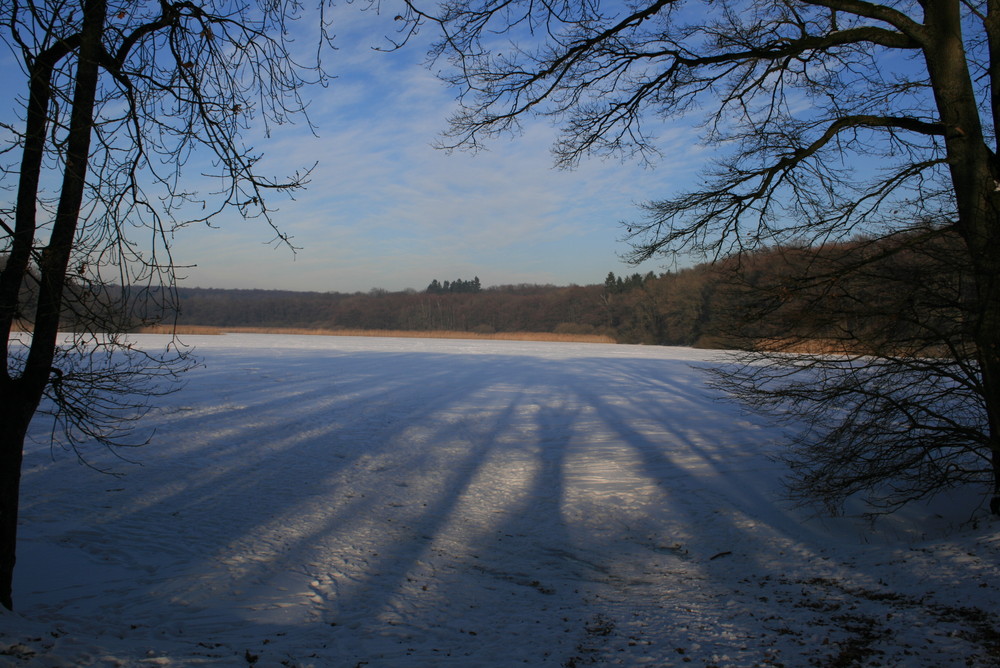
[
  {"x": 419, "y": 508},
  {"x": 725, "y": 531},
  {"x": 249, "y": 486},
  {"x": 245, "y": 520}
]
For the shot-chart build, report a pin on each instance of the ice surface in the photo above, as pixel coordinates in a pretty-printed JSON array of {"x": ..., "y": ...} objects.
[{"x": 334, "y": 501}]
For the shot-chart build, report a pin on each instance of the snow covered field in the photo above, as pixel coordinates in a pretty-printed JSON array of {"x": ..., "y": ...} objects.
[{"x": 326, "y": 501}]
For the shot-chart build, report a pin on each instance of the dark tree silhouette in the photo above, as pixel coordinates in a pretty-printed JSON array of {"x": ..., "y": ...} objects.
[
  {"x": 827, "y": 118},
  {"x": 121, "y": 96}
]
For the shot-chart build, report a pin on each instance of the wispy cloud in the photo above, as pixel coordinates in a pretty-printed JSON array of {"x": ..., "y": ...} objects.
[{"x": 387, "y": 209}]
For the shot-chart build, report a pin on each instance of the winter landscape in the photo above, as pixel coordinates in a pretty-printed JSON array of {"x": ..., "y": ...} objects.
[{"x": 337, "y": 501}]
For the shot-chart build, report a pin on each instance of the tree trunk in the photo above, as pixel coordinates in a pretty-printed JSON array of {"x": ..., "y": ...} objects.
[
  {"x": 975, "y": 174},
  {"x": 20, "y": 397},
  {"x": 55, "y": 256},
  {"x": 16, "y": 407},
  {"x": 15, "y": 415},
  {"x": 986, "y": 261}
]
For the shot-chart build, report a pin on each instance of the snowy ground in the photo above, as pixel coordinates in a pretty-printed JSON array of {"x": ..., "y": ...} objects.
[{"x": 315, "y": 501}]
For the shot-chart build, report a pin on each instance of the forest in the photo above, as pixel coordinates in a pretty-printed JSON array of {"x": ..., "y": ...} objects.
[{"x": 860, "y": 295}]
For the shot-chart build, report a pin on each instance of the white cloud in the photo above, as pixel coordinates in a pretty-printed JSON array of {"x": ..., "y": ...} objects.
[{"x": 386, "y": 209}]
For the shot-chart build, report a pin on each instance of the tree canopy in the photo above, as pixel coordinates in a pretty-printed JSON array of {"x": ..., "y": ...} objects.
[
  {"x": 823, "y": 120},
  {"x": 120, "y": 99}
]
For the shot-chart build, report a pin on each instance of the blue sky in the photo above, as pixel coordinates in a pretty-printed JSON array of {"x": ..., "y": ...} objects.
[{"x": 385, "y": 209}]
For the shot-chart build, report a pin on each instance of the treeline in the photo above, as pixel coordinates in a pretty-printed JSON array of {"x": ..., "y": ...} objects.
[
  {"x": 520, "y": 308},
  {"x": 458, "y": 285},
  {"x": 877, "y": 296},
  {"x": 872, "y": 295},
  {"x": 669, "y": 309}
]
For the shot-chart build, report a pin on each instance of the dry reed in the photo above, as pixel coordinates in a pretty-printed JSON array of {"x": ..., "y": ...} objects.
[
  {"x": 498, "y": 336},
  {"x": 805, "y": 346}
]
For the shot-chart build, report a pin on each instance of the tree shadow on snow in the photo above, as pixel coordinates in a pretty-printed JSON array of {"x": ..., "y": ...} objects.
[{"x": 421, "y": 508}]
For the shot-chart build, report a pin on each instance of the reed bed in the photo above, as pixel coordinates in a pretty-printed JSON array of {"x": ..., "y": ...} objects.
[
  {"x": 806, "y": 346},
  {"x": 497, "y": 336}
]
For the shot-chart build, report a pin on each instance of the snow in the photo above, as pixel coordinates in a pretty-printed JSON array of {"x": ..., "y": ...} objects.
[{"x": 335, "y": 501}]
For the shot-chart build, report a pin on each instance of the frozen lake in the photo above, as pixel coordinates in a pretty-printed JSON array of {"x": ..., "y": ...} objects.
[{"x": 335, "y": 501}]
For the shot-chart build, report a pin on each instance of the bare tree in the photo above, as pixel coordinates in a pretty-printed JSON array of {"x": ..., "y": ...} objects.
[
  {"x": 865, "y": 349},
  {"x": 121, "y": 96},
  {"x": 827, "y": 119}
]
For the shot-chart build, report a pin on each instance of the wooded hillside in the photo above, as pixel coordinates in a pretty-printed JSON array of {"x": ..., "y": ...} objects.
[{"x": 862, "y": 295}]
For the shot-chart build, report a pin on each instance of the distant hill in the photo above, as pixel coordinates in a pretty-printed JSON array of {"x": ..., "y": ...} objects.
[
  {"x": 889, "y": 295},
  {"x": 519, "y": 308}
]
